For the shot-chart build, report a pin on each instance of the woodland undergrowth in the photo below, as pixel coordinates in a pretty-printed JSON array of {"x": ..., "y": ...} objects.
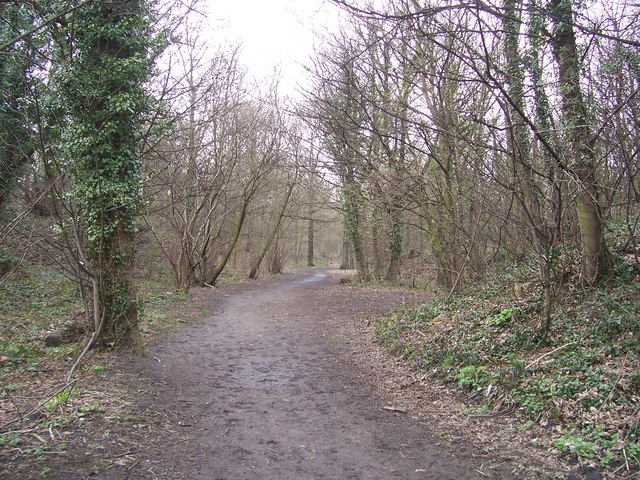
[
  {"x": 579, "y": 382},
  {"x": 39, "y": 411}
]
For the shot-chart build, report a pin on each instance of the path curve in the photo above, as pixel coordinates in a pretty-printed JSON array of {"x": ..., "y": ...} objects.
[{"x": 264, "y": 389}]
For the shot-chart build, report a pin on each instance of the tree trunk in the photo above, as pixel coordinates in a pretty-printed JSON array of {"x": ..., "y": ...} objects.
[
  {"x": 345, "y": 263},
  {"x": 310, "y": 246},
  {"x": 352, "y": 223},
  {"x": 583, "y": 158},
  {"x": 227, "y": 254},
  {"x": 395, "y": 244},
  {"x": 256, "y": 265},
  {"x": 376, "y": 249},
  {"x": 520, "y": 152},
  {"x": 106, "y": 127}
]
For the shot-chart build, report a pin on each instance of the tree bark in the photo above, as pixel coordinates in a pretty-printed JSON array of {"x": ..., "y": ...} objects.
[
  {"x": 256, "y": 265},
  {"x": 310, "y": 246},
  {"x": 353, "y": 225},
  {"x": 213, "y": 279},
  {"x": 583, "y": 158},
  {"x": 345, "y": 263}
]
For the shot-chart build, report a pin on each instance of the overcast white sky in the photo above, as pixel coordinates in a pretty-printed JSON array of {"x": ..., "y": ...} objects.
[{"x": 273, "y": 33}]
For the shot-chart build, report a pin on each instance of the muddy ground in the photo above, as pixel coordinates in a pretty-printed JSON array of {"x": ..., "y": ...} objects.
[{"x": 283, "y": 380}]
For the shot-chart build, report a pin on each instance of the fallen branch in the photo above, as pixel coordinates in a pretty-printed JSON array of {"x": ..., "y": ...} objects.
[
  {"x": 90, "y": 343},
  {"x": 561, "y": 347},
  {"x": 394, "y": 409}
]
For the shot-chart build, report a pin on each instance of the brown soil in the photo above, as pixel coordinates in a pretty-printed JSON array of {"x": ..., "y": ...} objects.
[{"x": 284, "y": 381}]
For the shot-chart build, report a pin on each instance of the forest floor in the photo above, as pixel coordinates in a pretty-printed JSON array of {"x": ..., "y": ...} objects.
[{"x": 281, "y": 379}]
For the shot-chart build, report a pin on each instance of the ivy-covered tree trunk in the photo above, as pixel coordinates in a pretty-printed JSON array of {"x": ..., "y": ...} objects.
[
  {"x": 346, "y": 259},
  {"x": 103, "y": 91},
  {"x": 352, "y": 218},
  {"x": 519, "y": 149},
  {"x": 577, "y": 125}
]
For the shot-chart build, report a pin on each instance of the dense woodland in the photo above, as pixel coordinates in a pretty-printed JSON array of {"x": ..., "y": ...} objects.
[
  {"x": 437, "y": 145},
  {"x": 473, "y": 134},
  {"x": 123, "y": 129}
]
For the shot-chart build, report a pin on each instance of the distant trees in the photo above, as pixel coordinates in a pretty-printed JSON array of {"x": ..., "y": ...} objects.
[
  {"x": 107, "y": 153},
  {"x": 481, "y": 131},
  {"x": 458, "y": 135},
  {"x": 228, "y": 158},
  {"x": 192, "y": 169}
]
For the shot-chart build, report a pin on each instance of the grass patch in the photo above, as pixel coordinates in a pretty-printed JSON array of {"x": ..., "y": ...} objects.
[
  {"x": 155, "y": 302},
  {"x": 35, "y": 407},
  {"x": 33, "y": 303}
]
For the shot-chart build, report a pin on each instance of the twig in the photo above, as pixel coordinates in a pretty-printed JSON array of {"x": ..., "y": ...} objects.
[
  {"x": 394, "y": 409},
  {"x": 494, "y": 413},
  {"x": 25, "y": 430},
  {"x": 15, "y": 420},
  {"x": 548, "y": 353},
  {"x": 126, "y": 454},
  {"x": 90, "y": 344},
  {"x": 615, "y": 385}
]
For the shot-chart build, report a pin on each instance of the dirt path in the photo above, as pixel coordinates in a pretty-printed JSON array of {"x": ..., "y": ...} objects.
[
  {"x": 266, "y": 389},
  {"x": 279, "y": 382}
]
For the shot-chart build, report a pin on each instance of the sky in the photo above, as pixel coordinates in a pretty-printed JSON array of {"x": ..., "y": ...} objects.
[{"x": 274, "y": 34}]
